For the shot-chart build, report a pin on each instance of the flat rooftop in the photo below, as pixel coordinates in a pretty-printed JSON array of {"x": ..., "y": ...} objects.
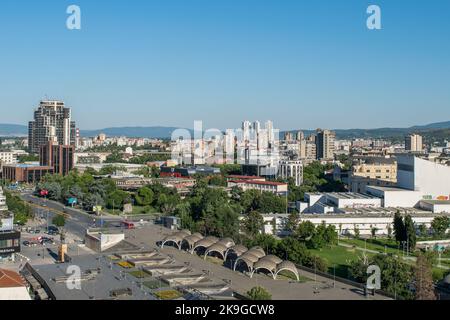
[
  {"x": 433, "y": 202},
  {"x": 99, "y": 288},
  {"x": 350, "y": 195},
  {"x": 382, "y": 188}
]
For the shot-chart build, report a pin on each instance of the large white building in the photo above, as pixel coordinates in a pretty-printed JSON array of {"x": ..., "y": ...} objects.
[
  {"x": 417, "y": 180},
  {"x": 291, "y": 169},
  {"x": 346, "y": 224}
]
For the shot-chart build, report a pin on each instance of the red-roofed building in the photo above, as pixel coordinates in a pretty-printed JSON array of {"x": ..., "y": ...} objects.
[{"x": 12, "y": 286}]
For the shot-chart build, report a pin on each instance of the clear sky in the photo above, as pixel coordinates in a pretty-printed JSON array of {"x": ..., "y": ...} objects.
[{"x": 303, "y": 64}]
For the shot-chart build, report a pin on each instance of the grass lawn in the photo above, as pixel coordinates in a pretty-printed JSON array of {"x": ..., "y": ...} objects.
[
  {"x": 338, "y": 256},
  {"x": 379, "y": 245},
  {"x": 139, "y": 274}
]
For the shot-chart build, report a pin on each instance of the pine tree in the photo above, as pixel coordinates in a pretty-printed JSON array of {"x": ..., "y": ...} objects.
[
  {"x": 410, "y": 231},
  {"x": 399, "y": 228},
  {"x": 424, "y": 279}
]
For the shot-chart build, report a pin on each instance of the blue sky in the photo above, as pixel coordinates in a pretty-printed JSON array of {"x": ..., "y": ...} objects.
[{"x": 304, "y": 64}]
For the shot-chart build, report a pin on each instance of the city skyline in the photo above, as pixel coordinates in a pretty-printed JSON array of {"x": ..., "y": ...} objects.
[{"x": 302, "y": 65}]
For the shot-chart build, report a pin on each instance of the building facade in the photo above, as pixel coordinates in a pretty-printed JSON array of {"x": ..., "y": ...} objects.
[
  {"x": 372, "y": 171},
  {"x": 291, "y": 169},
  {"x": 59, "y": 157},
  {"x": 325, "y": 144},
  {"x": 414, "y": 143},
  {"x": 52, "y": 122}
]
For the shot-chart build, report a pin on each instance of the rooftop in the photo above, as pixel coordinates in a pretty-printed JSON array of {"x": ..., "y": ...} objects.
[
  {"x": 10, "y": 279},
  {"x": 447, "y": 202},
  {"x": 349, "y": 195},
  {"x": 269, "y": 183},
  {"x": 382, "y": 188},
  {"x": 99, "y": 287}
]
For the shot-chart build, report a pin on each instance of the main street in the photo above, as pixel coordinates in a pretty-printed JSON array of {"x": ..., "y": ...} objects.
[{"x": 77, "y": 221}]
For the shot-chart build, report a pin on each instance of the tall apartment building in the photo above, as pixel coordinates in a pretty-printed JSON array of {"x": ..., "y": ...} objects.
[
  {"x": 307, "y": 148},
  {"x": 325, "y": 144},
  {"x": 291, "y": 169},
  {"x": 414, "y": 143},
  {"x": 52, "y": 122}
]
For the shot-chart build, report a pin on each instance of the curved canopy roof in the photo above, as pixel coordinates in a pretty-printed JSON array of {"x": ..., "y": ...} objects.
[
  {"x": 192, "y": 239},
  {"x": 289, "y": 266},
  {"x": 238, "y": 249},
  {"x": 217, "y": 247},
  {"x": 177, "y": 236},
  {"x": 257, "y": 251},
  {"x": 206, "y": 242},
  {"x": 227, "y": 242},
  {"x": 273, "y": 259},
  {"x": 266, "y": 264}
]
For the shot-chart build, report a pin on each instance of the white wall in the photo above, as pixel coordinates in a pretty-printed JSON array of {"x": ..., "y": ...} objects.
[
  {"x": 18, "y": 293},
  {"x": 429, "y": 178}
]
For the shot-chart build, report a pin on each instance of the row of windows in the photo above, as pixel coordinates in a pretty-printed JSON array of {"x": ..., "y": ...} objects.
[{"x": 11, "y": 243}]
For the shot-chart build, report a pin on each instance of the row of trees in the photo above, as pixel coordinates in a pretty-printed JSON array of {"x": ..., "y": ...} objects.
[
  {"x": 405, "y": 230},
  {"x": 399, "y": 278},
  {"x": 22, "y": 210}
]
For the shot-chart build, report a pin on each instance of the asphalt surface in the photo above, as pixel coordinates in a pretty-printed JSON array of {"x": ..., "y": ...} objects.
[{"x": 76, "y": 221}]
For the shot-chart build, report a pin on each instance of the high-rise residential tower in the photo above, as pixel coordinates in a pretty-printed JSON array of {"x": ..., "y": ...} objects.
[
  {"x": 414, "y": 143},
  {"x": 52, "y": 122},
  {"x": 325, "y": 144}
]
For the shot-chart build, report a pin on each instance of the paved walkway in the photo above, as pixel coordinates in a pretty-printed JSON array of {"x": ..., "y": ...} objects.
[{"x": 318, "y": 288}]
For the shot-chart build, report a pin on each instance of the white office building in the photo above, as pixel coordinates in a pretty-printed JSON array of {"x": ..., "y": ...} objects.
[{"x": 291, "y": 169}]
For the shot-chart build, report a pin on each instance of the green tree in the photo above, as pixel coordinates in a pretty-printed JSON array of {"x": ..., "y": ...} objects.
[
  {"x": 144, "y": 196},
  {"x": 410, "y": 230},
  {"x": 259, "y": 293},
  {"x": 373, "y": 232},
  {"x": 59, "y": 221},
  {"x": 305, "y": 231},
  {"x": 271, "y": 203},
  {"x": 292, "y": 222},
  {"x": 253, "y": 223},
  {"x": 265, "y": 241},
  {"x": 117, "y": 199},
  {"x": 396, "y": 276},
  {"x": 439, "y": 225},
  {"x": 356, "y": 232},
  {"x": 399, "y": 228}
]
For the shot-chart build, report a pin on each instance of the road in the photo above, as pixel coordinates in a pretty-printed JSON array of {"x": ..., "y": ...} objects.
[{"x": 76, "y": 221}]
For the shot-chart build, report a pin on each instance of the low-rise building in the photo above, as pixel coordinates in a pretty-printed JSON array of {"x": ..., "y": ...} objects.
[
  {"x": 12, "y": 286},
  {"x": 379, "y": 221},
  {"x": 7, "y": 157},
  {"x": 27, "y": 173},
  {"x": 278, "y": 188}
]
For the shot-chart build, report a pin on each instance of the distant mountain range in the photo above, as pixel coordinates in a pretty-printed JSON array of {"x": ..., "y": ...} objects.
[{"x": 166, "y": 132}]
